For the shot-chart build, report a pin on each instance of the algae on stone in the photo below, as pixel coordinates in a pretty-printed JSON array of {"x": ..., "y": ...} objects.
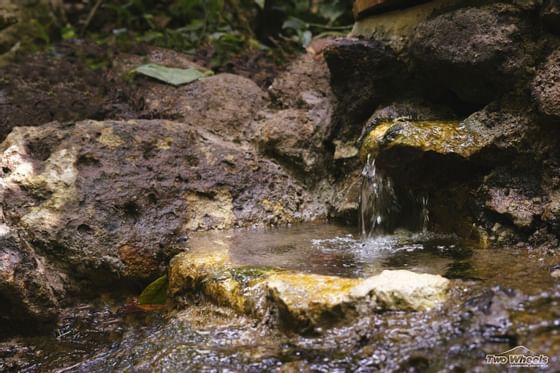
[
  {"x": 187, "y": 270},
  {"x": 299, "y": 301},
  {"x": 442, "y": 137}
]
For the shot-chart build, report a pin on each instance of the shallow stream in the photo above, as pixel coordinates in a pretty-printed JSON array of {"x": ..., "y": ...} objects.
[{"x": 500, "y": 298}]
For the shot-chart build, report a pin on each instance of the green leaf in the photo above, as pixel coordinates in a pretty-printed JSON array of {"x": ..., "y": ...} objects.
[
  {"x": 68, "y": 32},
  {"x": 172, "y": 75},
  {"x": 294, "y": 24},
  {"x": 155, "y": 293}
]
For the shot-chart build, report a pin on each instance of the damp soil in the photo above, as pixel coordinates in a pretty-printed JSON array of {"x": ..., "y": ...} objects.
[
  {"x": 500, "y": 298},
  {"x": 72, "y": 82}
]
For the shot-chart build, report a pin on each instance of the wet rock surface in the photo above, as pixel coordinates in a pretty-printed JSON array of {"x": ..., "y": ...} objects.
[
  {"x": 461, "y": 115},
  {"x": 484, "y": 314},
  {"x": 300, "y": 302}
]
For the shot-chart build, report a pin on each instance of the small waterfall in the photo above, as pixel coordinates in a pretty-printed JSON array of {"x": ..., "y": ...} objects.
[
  {"x": 424, "y": 213},
  {"x": 384, "y": 208},
  {"x": 378, "y": 202}
]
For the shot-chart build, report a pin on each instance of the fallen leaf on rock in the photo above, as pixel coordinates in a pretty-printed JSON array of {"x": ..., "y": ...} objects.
[
  {"x": 172, "y": 75},
  {"x": 154, "y": 293}
]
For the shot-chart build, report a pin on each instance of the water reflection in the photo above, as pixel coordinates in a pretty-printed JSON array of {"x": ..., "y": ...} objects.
[{"x": 336, "y": 250}]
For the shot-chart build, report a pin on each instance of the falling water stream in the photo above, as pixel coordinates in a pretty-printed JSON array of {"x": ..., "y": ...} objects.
[{"x": 383, "y": 209}]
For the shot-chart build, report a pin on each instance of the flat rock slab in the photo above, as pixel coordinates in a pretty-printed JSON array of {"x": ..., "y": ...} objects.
[
  {"x": 301, "y": 302},
  {"x": 403, "y": 290},
  {"x": 442, "y": 137}
]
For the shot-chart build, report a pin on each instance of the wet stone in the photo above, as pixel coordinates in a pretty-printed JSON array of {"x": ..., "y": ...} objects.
[
  {"x": 301, "y": 302},
  {"x": 439, "y": 137}
]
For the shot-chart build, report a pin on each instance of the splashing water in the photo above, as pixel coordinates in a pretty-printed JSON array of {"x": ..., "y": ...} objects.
[
  {"x": 383, "y": 208},
  {"x": 425, "y": 213},
  {"x": 378, "y": 201}
]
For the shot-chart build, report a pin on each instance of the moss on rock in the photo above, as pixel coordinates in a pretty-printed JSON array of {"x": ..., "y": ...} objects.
[{"x": 443, "y": 137}]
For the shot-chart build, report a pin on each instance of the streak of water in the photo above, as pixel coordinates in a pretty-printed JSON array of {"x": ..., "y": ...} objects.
[
  {"x": 378, "y": 201},
  {"x": 384, "y": 208}
]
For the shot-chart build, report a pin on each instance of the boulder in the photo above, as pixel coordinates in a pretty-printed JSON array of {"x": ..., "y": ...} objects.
[
  {"x": 29, "y": 288},
  {"x": 486, "y": 137},
  {"x": 446, "y": 158},
  {"x": 546, "y": 86},
  {"x": 306, "y": 301},
  {"x": 224, "y": 104},
  {"x": 188, "y": 270},
  {"x": 423, "y": 153},
  {"x": 406, "y": 109},
  {"x": 304, "y": 84},
  {"x": 295, "y": 137},
  {"x": 101, "y": 202},
  {"x": 363, "y": 74},
  {"x": 65, "y": 189},
  {"x": 296, "y": 134},
  {"x": 551, "y": 213},
  {"x": 474, "y": 52},
  {"x": 438, "y": 137},
  {"x": 520, "y": 209}
]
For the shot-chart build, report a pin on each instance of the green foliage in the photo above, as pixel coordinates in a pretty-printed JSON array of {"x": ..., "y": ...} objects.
[
  {"x": 68, "y": 32},
  {"x": 226, "y": 27},
  {"x": 303, "y": 23},
  {"x": 220, "y": 28}
]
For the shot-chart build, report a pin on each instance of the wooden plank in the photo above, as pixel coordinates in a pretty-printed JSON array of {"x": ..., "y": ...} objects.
[{"x": 366, "y": 7}]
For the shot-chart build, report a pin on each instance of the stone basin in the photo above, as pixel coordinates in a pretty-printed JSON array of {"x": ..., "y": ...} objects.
[{"x": 295, "y": 300}]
